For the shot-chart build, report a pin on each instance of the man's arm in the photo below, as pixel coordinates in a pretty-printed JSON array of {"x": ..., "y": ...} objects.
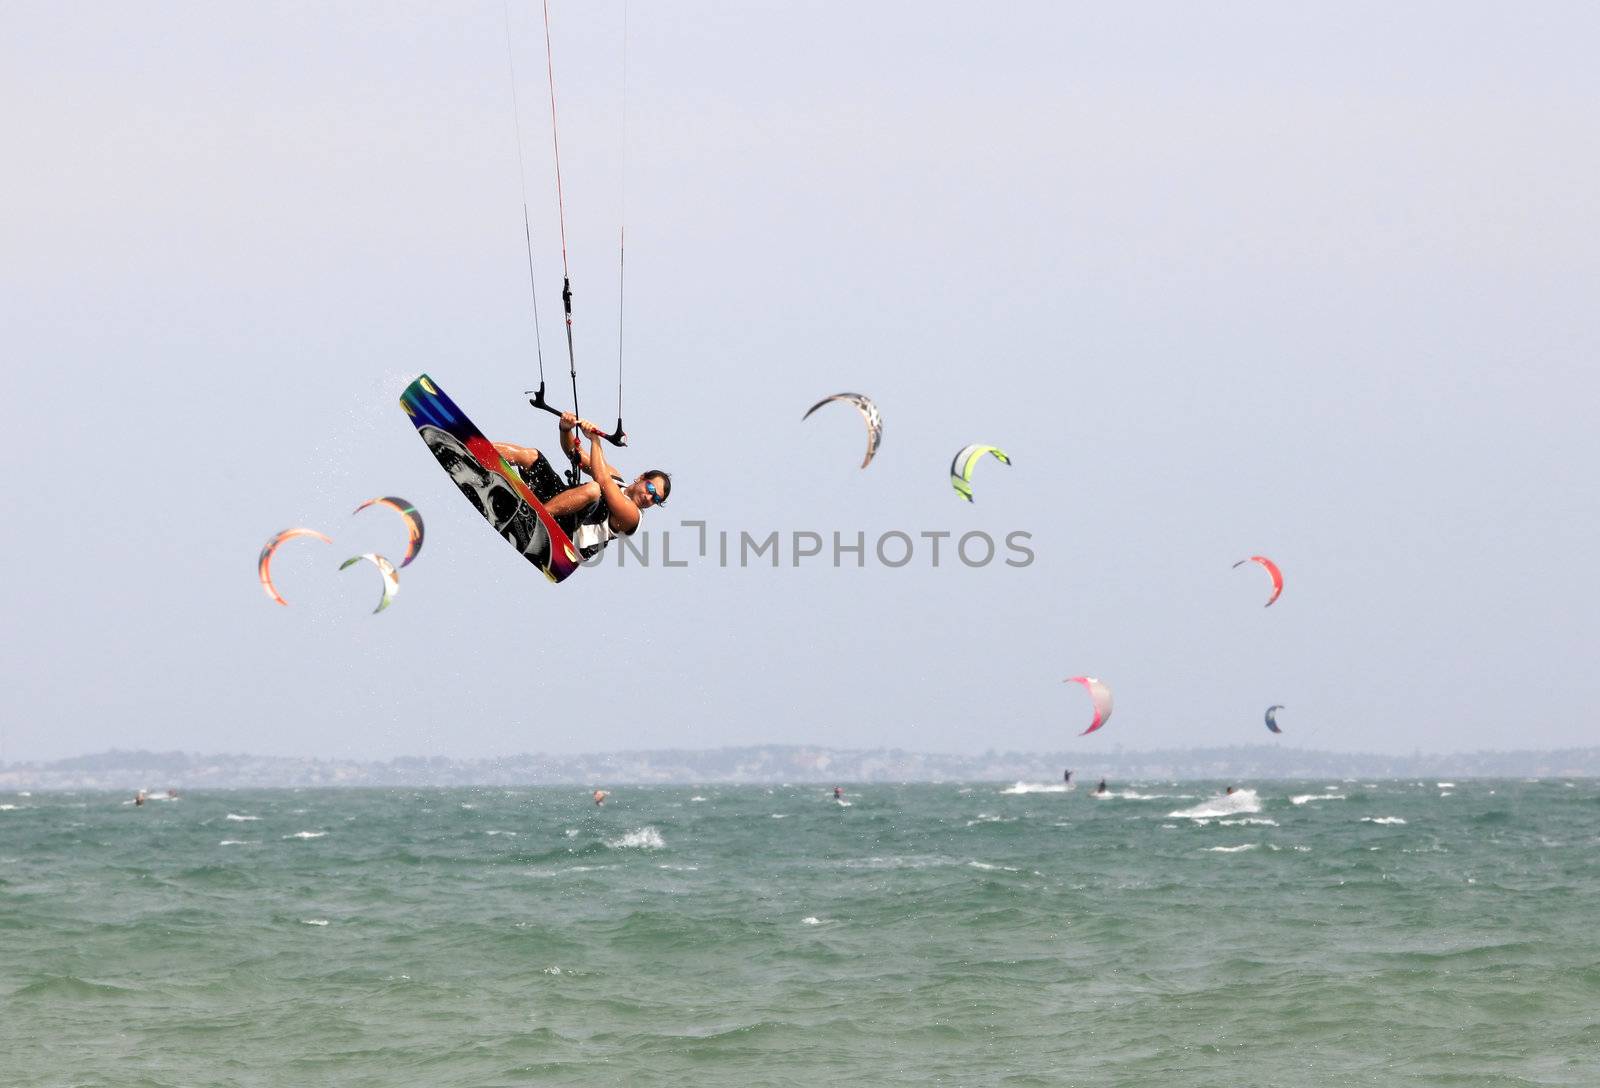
[
  {"x": 570, "y": 445},
  {"x": 624, "y": 515}
]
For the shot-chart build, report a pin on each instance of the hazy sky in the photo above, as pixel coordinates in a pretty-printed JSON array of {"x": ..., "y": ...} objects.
[{"x": 1316, "y": 281}]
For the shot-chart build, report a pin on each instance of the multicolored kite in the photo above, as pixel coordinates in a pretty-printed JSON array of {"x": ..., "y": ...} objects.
[
  {"x": 413, "y": 522},
  {"x": 264, "y": 564}
]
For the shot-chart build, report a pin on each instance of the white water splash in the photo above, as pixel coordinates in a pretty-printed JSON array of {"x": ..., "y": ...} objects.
[
  {"x": 640, "y": 838},
  {"x": 1223, "y": 804}
]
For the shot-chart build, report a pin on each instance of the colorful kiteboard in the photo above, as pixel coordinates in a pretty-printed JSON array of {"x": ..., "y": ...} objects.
[{"x": 488, "y": 481}]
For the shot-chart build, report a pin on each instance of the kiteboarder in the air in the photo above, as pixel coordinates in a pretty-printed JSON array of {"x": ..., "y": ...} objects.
[{"x": 595, "y": 512}]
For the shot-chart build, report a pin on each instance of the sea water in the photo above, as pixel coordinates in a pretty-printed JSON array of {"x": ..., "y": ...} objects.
[{"x": 1288, "y": 934}]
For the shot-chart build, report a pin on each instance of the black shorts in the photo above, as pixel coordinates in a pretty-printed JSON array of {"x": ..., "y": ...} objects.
[{"x": 546, "y": 483}]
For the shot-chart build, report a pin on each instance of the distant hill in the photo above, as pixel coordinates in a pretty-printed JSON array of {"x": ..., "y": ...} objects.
[{"x": 119, "y": 770}]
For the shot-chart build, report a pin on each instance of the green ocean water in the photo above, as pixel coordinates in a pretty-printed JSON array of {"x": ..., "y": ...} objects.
[{"x": 1388, "y": 933}]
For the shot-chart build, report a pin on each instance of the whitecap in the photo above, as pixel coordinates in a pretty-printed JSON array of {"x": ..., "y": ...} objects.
[
  {"x": 1248, "y": 821},
  {"x": 680, "y": 868},
  {"x": 1445, "y": 785},
  {"x": 9, "y": 808},
  {"x": 1230, "y": 849},
  {"x": 779, "y": 816},
  {"x": 697, "y": 797},
  {"x": 552, "y": 970},
  {"x": 235, "y": 842},
  {"x": 511, "y": 833},
  {"x": 306, "y": 835},
  {"x": 992, "y": 868},
  {"x": 1307, "y": 798},
  {"x": 1382, "y": 820},
  {"x": 237, "y": 817},
  {"x": 640, "y": 838},
  {"x": 811, "y": 920},
  {"x": 313, "y": 921}
]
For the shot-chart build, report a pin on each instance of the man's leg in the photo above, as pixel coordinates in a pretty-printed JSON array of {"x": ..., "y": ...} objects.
[
  {"x": 574, "y": 499},
  {"x": 520, "y": 456}
]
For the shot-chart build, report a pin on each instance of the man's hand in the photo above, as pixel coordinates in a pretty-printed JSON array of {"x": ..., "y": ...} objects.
[
  {"x": 591, "y": 429},
  {"x": 568, "y": 421}
]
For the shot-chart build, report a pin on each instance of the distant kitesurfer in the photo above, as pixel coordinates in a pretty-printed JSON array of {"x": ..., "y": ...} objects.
[
  {"x": 138, "y": 798},
  {"x": 599, "y": 797},
  {"x": 1230, "y": 789},
  {"x": 1101, "y": 788},
  {"x": 1066, "y": 778},
  {"x": 592, "y": 513},
  {"x": 838, "y": 793}
]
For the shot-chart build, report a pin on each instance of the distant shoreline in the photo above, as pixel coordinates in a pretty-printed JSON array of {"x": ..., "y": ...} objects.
[{"x": 774, "y": 764}]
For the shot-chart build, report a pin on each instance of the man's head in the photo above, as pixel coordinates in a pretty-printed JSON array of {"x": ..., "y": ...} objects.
[{"x": 650, "y": 488}]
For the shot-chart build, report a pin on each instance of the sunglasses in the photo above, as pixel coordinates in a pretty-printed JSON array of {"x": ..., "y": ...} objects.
[{"x": 650, "y": 488}]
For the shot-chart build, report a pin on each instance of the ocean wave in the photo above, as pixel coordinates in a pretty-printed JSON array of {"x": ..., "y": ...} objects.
[
  {"x": 1307, "y": 798},
  {"x": 567, "y": 869},
  {"x": 1382, "y": 820},
  {"x": 239, "y": 818},
  {"x": 1231, "y": 849},
  {"x": 72, "y": 988},
  {"x": 1038, "y": 787},
  {"x": 919, "y": 861},
  {"x": 306, "y": 835}
]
